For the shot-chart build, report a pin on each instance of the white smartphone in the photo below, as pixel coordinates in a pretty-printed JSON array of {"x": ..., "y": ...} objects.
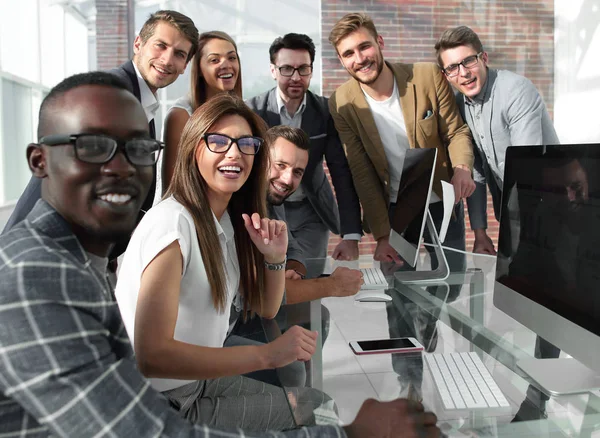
[{"x": 395, "y": 345}]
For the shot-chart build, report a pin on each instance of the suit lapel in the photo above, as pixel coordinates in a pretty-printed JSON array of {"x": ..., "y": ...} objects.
[
  {"x": 311, "y": 119},
  {"x": 273, "y": 117},
  {"x": 364, "y": 116},
  {"x": 408, "y": 103},
  {"x": 128, "y": 68}
]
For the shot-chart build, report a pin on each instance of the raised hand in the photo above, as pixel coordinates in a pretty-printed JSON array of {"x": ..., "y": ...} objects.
[{"x": 268, "y": 235}]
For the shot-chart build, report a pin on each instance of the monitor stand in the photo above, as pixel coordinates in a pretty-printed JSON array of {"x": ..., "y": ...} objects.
[
  {"x": 560, "y": 376},
  {"x": 436, "y": 275}
]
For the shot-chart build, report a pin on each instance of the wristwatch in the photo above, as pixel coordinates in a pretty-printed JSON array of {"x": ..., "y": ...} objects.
[{"x": 276, "y": 266}]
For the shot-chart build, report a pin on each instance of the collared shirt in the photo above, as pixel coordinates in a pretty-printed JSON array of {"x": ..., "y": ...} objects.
[
  {"x": 295, "y": 121},
  {"x": 148, "y": 99},
  {"x": 198, "y": 321},
  {"x": 474, "y": 113},
  {"x": 66, "y": 364}
]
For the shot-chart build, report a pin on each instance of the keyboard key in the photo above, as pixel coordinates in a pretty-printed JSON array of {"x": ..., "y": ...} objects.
[{"x": 463, "y": 381}]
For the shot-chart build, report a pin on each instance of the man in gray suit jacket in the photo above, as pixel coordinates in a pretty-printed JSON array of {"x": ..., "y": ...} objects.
[
  {"x": 162, "y": 50},
  {"x": 312, "y": 211},
  {"x": 501, "y": 108}
]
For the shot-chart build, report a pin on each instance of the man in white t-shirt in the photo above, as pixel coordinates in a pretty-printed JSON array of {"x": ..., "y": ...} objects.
[{"x": 385, "y": 109}]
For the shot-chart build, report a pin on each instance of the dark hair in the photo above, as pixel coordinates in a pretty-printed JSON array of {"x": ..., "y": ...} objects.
[
  {"x": 294, "y": 135},
  {"x": 190, "y": 189},
  {"x": 293, "y": 41},
  {"x": 182, "y": 23},
  {"x": 459, "y": 36},
  {"x": 198, "y": 83},
  {"x": 75, "y": 81},
  {"x": 350, "y": 23}
]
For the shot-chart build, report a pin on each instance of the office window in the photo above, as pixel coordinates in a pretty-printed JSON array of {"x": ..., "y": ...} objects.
[
  {"x": 41, "y": 42},
  {"x": 17, "y": 133}
]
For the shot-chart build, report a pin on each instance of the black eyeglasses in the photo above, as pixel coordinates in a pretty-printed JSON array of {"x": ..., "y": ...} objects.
[
  {"x": 288, "y": 70},
  {"x": 99, "y": 149},
  {"x": 469, "y": 62},
  {"x": 221, "y": 143}
]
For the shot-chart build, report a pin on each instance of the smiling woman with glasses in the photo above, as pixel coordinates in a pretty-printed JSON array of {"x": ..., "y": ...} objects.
[{"x": 206, "y": 245}]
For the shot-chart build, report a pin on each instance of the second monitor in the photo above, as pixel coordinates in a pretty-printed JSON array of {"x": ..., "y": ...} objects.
[{"x": 411, "y": 216}]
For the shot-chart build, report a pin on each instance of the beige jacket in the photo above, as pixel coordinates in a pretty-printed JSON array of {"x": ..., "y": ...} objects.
[{"x": 422, "y": 88}]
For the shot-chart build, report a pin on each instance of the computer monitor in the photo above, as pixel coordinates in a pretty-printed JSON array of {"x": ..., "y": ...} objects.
[
  {"x": 548, "y": 267},
  {"x": 412, "y": 215}
]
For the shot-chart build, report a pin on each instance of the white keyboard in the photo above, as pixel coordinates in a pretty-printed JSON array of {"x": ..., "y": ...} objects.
[
  {"x": 464, "y": 382},
  {"x": 373, "y": 279}
]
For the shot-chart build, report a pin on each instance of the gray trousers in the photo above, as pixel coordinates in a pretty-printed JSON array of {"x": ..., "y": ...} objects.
[
  {"x": 309, "y": 231},
  {"x": 239, "y": 402}
]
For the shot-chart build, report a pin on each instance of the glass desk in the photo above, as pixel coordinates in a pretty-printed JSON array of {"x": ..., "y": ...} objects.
[{"x": 454, "y": 316}]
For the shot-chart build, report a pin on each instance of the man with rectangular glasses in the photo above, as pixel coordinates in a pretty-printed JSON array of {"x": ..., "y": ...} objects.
[
  {"x": 312, "y": 211},
  {"x": 501, "y": 108}
]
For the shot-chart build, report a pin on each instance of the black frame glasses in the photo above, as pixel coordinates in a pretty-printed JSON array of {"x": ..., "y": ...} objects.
[
  {"x": 100, "y": 148},
  {"x": 288, "y": 71},
  {"x": 469, "y": 62},
  {"x": 250, "y": 145}
]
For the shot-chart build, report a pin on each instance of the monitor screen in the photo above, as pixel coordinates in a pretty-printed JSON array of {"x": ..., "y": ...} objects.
[
  {"x": 549, "y": 242},
  {"x": 414, "y": 191}
]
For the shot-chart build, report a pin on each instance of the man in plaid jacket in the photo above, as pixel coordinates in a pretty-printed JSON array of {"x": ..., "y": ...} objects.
[{"x": 66, "y": 365}]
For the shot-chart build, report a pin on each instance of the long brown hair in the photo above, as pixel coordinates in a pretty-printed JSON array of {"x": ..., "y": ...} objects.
[
  {"x": 198, "y": 83},
  {"x": 189, "y": 188}
]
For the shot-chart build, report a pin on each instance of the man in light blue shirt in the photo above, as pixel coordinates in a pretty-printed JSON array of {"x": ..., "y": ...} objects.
[{"x": 501, "y": 108}]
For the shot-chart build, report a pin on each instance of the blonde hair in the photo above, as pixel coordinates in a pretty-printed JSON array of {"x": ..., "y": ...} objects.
[
  {"x": 350, "y": 23},
  {"x": 189, "y": 188},
  {"x": 198, "y": 83}
]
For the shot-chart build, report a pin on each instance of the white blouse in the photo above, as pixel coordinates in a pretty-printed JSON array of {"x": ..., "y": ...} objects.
[{"x": 198, "y": 322}]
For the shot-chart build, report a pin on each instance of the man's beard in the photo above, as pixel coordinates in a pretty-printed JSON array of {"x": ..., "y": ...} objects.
[
  {"x": 275, "y": 200},
  {"x": 379, "y": 70}
]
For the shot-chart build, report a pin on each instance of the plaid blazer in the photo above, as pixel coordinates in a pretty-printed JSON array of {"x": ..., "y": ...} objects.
[{"x": 66, "y": 364}]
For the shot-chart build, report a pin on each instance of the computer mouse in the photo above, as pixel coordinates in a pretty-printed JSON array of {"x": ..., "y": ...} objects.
[{"x": 371, "y": 296}]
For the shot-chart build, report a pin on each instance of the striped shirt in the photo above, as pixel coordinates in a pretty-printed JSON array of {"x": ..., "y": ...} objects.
[{"x": 66, "y": 364}]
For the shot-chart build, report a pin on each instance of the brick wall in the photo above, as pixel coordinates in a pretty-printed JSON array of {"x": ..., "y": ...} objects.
[
  {"x": 112, "y": 45},
  {"x": 518, "y": 36}
]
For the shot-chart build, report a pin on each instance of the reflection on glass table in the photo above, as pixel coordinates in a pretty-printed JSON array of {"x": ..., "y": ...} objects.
[{"x": 455, "y": 316}]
